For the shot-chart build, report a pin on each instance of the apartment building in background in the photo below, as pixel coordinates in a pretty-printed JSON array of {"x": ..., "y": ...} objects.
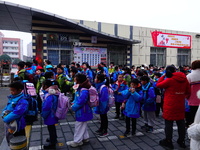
[{"x": 11, "y": 46}]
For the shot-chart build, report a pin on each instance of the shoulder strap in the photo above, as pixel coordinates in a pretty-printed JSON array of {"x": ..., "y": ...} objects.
[{"x": 101, "y": 88}]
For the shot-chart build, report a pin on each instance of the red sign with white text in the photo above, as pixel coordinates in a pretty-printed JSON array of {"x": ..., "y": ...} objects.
[{"x": 171, "y": 40}]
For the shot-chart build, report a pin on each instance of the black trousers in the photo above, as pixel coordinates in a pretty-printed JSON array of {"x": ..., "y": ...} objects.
[
  {"x": 104, "y": 123},
  {"x": 39, "y": 101},
  {"x": 191, "y": 115},
  {"x": 169, "y": 129},
  {"x": 52, "y": 134},
  {"x": 118, "y": 105},
  {"x": 128, "y": 124}
]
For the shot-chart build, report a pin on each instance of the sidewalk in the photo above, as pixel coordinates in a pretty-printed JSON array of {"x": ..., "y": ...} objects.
[{"x": 115, "y": 140}]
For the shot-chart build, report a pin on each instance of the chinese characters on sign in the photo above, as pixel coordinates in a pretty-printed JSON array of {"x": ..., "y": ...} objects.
[
  {"x": 171, "y": 40},
  {"x": 92, "y": 55}
]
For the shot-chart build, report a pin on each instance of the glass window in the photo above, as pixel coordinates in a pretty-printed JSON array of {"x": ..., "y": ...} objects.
[
  {"x": 158, "y": 56},
  {"x": 184, "y": 57}
]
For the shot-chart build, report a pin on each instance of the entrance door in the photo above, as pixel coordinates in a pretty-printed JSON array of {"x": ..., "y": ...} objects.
[
  {"x": 53, "y": 56},
  {"x": 66, "y": 57},
  {"x": 117, "y": 54}
]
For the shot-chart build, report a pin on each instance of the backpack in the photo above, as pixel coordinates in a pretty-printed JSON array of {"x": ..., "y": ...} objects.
[
  {"x": 93, "y": 97},
  {"x": 32, "y": 112},
  {"x": 30, "y": 89},
  {"x": 62, "y": 106},
  {"x": 111, "y": 99}
]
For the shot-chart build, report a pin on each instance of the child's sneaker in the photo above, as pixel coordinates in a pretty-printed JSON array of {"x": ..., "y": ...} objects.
[
  {"x": 149, "y": 129},
  {"x": 98, "y": 132},
  {"x": 86, "y": 141},
  {"x": 74, "y": 144},
  {"x": 144, "y": 127},
  {"x": 127, "y": 134},
  {"x": 103, "y": 134}
]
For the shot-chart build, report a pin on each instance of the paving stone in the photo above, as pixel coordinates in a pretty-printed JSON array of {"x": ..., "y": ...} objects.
[
  {"x": 95, "y": 143},
  {"x": 35, "y": 136},
  {"x": 69, "y": 136},
  {"x": 109, "y": 146},
  {"x": 117, "y": 142},
  {"x": 130, "y": 143},
  {"x": 144, "y": 146},
  {"x": 34, "y": 143},
  {"x": 124, "y": 147}
]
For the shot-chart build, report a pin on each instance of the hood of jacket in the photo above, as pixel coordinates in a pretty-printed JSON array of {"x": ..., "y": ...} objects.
[
  {"x": 53, "y": 90},
  {"x": 179, "y": 77},
  {"x": 85, "y": 84}
]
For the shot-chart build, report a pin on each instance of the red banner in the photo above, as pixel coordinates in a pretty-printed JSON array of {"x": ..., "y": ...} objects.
[{"x": 171, "y": 40}]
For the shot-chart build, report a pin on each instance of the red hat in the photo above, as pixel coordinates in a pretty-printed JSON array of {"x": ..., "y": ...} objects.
[{"x": 39, "y": 68}]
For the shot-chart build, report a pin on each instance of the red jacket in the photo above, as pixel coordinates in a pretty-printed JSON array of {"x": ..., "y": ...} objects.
[{"x": 177, "y": 88}]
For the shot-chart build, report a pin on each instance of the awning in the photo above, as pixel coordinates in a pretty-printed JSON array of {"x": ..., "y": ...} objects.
[{"x": 19, "y": 18}]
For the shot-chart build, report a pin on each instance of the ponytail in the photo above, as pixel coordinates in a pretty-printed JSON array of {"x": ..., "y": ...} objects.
[{"x": 107, "y": 81}]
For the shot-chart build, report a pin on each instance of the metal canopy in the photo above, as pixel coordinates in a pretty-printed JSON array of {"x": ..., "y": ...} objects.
[{"x": 19, "y": 18}]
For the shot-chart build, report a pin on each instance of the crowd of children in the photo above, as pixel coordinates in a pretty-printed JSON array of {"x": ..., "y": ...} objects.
[{"x": 135, "y": 90}]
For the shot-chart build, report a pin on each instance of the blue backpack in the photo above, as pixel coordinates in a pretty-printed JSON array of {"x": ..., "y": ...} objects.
[{"x": 32, "y": 112}]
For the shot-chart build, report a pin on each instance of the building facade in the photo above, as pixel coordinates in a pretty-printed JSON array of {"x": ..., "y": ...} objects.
[
  {"x": 11, "y": 47},
  {"x": 146, "y": 52}
]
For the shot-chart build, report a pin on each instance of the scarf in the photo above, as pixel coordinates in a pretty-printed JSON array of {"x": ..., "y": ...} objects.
[{"x": 145, "y": 89}]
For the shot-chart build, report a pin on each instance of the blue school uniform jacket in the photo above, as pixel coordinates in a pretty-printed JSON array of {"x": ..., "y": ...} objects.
[
  {"x": 83, "y": 111},
  {"x": 148, "y": 97},
  {"x": 89, "y": 74},
  {"x": 103, "y": 99},
  {"x": 17, "y": 106},
  {"x": 49, "y": 106},
  {"x": 132, "y": 107},
  {"x": 118, "y": 97}
]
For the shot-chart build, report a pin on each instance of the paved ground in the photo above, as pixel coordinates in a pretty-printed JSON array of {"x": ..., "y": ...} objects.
[
  {"x": 115, "y": 140},
  {"x": 4, "y": 92}
]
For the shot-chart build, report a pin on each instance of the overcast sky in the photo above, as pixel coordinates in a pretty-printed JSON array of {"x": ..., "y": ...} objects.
[{"x": 181, "y": 15}]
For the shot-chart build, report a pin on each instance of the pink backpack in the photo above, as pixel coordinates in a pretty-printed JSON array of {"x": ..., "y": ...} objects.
[
  {"x": 111, "y": 100},
  {"x": 62, "y": 107},
  {"x": 93, "y": 97},
  {"x": 30, "y": 89}
]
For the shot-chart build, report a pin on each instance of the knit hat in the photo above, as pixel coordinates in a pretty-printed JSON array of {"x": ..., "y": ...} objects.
[
  {"x": 39, "y": 68},
  {"x": 49, "y": 66}
]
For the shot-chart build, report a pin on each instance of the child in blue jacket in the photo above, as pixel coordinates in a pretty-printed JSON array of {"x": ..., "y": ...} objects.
[
  {"x": 149, "y": 103},
  {"x": 102, "y": 84},
  {"x": 119, "y": 86},
  {"x": 49, "y": 105},
  {"x": 132, "y": 106},
  {"x": 83, "y": 112},
  {"x": 15, "y": 111}
]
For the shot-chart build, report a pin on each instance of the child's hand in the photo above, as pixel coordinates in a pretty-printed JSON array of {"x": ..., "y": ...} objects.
[
  {"x": 123, "y": 106},
  {"x": 132, "y": 90}
]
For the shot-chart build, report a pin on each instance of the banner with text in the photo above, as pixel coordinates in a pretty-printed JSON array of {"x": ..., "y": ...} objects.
[
  {"x": 171, "y": 40},
  {"x": 92, "y": 55}
]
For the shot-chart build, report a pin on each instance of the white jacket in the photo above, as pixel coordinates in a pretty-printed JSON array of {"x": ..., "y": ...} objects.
[{"x": 194, "y": 130}]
